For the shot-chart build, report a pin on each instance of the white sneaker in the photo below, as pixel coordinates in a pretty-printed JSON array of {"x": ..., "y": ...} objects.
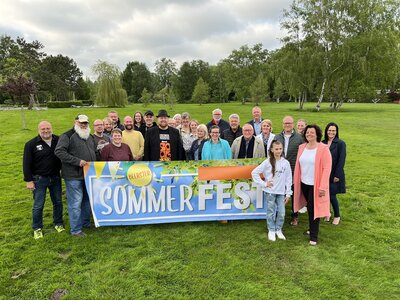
[
  {"x": 280, "y": 235},
  {"x": 271, "y": 236},
  {"x": 303, "y": 210}
]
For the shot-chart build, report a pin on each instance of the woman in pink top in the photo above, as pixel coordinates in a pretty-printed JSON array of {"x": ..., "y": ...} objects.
[{"x": 311, "y": 179}]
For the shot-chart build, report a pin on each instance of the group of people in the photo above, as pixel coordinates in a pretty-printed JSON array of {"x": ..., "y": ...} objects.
[{"x": 139, "y": 137}]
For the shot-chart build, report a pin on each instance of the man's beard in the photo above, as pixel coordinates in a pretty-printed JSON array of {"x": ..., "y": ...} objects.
[
  {"x": 129, "y": 127},
  {"x": 83, "y": 133}
]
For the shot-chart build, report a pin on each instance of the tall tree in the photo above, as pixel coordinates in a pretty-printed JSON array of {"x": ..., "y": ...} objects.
[
  {"x": 187, "y": 77},
  {"x": 59, "y": 76},
  {"x": 259, "y": 89},
  {"x": 242, "y": 67},
  {"x": 353, "y": 43},
  {"x": 135, "y": 78},
  {"x": 165, "y": 69},
  {"x": 109, "y": 90},
  {"x": 22, "y": 89},
  {"x": 201, "y": 92}
]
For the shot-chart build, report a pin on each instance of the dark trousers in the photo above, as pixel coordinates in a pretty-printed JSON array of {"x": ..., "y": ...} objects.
[
  {"x": 308, "y": 192},
  {"x": 335, "y": 205},
  {"x": 42, "y": 183},
  {"x": 334, "y": 200},
  {"x": 294, "y": 215}
]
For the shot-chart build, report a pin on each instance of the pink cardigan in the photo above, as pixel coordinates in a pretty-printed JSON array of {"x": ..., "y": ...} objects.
[{"x": 323, "y": 163}]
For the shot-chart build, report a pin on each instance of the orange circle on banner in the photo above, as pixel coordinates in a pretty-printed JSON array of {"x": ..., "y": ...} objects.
[{"x": 139, "y": 174}]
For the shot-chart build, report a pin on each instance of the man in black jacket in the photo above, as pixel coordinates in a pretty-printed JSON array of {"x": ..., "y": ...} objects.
[
  {"x": 148, "y": 122},
  {"x": 234, "y": 130},
  {"x": 163, "y": 143},
  {"x": 42, "y": 172}
]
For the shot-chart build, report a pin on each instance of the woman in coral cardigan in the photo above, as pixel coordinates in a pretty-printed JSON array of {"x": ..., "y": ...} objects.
[{"x": 311, "y": 179}]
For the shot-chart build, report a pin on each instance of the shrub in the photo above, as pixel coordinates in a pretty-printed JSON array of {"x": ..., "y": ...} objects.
[
  {"x": 63, "y": 104},
  {"x": 8, "y": 102}
]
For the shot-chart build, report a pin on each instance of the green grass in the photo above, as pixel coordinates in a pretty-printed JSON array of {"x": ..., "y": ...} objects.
[{"x": 359, "y": 259}]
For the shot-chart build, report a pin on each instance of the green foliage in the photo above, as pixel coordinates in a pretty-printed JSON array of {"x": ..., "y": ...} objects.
[
  {"x": 259, "y": 89},
  {"x": 242, "y": 67},
  {"x": 201, "y": 92},
  {"x": 135, "y": 78},
  {"x": 334, "y": 48},
  {"x": 64, "y": 104},
  {"x": 59, "y": 75},
  {"x": 166, "y": 71},
  {"x": 146, "y": 97},
  {"x": 109, "y": 90},
  {"x": 187, "y": 77}
]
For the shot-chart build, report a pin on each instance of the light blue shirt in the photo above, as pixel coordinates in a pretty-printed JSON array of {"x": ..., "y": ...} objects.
[{"x": 220, "y": 150}]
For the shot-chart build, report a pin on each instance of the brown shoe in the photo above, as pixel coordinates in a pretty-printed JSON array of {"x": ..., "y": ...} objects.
[{"x": 294, "y": 222}]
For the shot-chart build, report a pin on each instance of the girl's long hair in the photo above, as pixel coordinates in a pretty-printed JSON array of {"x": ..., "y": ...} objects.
[{"x": 271, "y": 155}]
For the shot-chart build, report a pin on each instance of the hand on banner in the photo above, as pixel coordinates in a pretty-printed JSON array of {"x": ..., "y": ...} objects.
[{"x": 82, "y": 163}]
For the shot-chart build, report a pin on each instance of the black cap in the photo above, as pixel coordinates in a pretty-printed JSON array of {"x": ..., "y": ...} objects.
[
  {"x": 162, "y": 113},
  {"x": 149, "y": 112}
]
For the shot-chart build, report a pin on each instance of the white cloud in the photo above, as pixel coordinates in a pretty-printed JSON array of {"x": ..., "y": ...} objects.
[{"x": 126, "y": 30}]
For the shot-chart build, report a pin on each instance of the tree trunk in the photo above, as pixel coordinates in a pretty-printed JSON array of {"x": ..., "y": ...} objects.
[
  {"x": 23, "y": 117},
  {"x": 31, "y": 101},
  {"x": 321, "y": 96}
]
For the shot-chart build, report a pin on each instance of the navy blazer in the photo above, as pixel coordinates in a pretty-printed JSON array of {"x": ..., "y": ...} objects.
[{"x": 338, "y": 152}]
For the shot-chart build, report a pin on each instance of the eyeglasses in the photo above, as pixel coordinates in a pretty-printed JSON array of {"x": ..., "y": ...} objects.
[
  {"x": 247, "y": 129},
  {"x": 288, "y": 123},
  {"x": 98, "y": 125},
  {"x": 213, "y": 132}
]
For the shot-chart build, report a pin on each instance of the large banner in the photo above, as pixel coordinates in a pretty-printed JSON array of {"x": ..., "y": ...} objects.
[{"x": 132, "y": 193}]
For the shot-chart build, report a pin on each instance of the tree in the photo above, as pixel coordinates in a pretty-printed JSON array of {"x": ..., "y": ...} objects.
[
  {"x": 59, "y": 76},
  {"x": 165, "y": 70},
  {"x": 109, "y": 90},
  {"x": 242, "y": 67},
  {"x": 19, "y": 57},
  {"x": 22, "y": 89},
  {"x": 171, "y": 98},
  {"x": 187, "y": 77},
  {"x": 201, "y": 92},
  {"x": 259, "y": 89},
  {"x": 353, "y": 43},
  {"x": 135, "y": 78},
  {"x": 146, "y": 97}
]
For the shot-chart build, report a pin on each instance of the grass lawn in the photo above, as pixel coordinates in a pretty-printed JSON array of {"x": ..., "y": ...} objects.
[{"x": 359, "y": 259}]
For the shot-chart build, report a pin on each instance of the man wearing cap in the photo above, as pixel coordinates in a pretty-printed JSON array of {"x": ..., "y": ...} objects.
[
  {"x": 42, "y": 172},
  {"x": 134, "y": 139},
  {"x": 148, "y": 122},
  {"x": 163, "y": 143},
  {"x": 75, "y": 148}
]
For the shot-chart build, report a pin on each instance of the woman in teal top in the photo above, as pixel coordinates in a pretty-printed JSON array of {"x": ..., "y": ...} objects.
[{"x": 215, "y": 147}]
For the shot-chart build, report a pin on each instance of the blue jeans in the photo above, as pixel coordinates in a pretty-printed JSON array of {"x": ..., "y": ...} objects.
[
  {"x": 78, "y": 205},
  {"x": 42, "y": 183},
  {"x": 275, "y": 211}
]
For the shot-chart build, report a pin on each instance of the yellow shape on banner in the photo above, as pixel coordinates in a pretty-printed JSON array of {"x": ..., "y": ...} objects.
[
  {"x": 139, "y": 174},
  {"x": 98, "y": 167}
]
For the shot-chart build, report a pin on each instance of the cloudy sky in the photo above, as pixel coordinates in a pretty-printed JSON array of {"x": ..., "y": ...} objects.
[{"x": 119, "y": 31}]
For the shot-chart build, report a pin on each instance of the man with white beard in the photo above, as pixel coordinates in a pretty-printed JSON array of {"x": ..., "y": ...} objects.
[{"x": 75, "y": 148}]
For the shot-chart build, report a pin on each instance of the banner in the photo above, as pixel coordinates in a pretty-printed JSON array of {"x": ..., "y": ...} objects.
[{"x": 133, "y": 193}]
